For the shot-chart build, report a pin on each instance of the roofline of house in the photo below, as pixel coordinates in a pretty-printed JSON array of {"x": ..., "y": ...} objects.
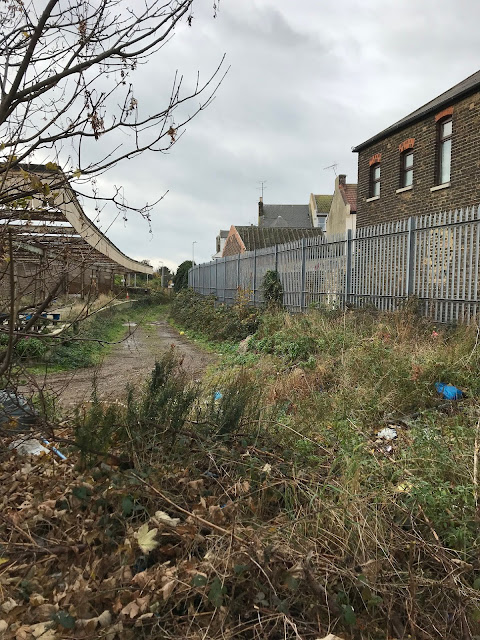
[{"x": 416, "y": 117}]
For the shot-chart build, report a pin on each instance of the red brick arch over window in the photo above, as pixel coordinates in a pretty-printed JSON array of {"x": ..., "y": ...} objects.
[
  {"x": 446, "y": 112},
  {"x": 374, "y": 159},
  {"x": 406, "y": 144}
]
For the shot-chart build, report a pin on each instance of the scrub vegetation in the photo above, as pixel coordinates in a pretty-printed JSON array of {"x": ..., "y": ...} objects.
[
  {"x": 86, "y": 341},
  {"x": 260, "y": 502}
]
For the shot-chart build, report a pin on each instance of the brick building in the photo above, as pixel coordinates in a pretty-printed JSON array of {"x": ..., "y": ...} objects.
[{"x": 427, "y": 162}]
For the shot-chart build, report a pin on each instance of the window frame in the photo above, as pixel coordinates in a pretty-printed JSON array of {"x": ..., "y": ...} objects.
[
  {"x": 404, "y": 170},
  {"x": 441, "y": 140},
  {"x": 374, "y": 181}
]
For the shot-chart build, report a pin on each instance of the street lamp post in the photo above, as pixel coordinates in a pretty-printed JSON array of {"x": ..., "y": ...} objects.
[
  {"x": 193, "y": 263},
  {"x": 161, "y": 273}
]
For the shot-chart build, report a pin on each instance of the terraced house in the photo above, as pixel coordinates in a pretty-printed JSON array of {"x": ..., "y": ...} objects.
[{"x": 427, "y": 162}]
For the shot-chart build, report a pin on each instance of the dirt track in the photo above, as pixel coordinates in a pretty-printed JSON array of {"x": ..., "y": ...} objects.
[{"x": 130, "y": 362}]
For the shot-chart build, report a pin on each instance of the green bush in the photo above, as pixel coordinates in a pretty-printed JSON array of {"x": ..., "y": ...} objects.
[
  {"x": 215, "y": 321},
  {"x": 31, "y": 348},
  {"x": 148, "y": 421},
  {"x": 272, "y": 289},
  {"x": 237, "y": 400}
]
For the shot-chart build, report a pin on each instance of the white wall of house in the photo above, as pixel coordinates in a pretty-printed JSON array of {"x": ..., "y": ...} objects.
[{"x": 339, "y": 219}]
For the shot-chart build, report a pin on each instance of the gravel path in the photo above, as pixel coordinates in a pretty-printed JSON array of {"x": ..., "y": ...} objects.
[{"x": 129, "y": 362}]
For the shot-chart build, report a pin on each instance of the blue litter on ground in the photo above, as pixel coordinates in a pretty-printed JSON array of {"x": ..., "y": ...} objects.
[
  {"x": 218, "y": 395},
  {"x": 448, "y": 391},
  {"x": 56, "y": 451}
]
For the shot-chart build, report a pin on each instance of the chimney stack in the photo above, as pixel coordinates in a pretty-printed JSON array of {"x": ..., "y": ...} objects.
[
  {"x": 342, "y": 179},
  {"x": 260, "y": 209}
]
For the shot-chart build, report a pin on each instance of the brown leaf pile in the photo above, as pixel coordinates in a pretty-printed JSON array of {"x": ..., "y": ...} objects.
[{"x": 218, "y": 543}]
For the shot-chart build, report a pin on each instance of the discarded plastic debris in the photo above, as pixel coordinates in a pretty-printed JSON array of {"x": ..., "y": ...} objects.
[
  {"x": 448, "y": 391},
  {"x": 15, "y": 411},
  {"x": 218, "y": 395},
  {"x": 387, "y": 434},
  {"x": 209, "y": 474},
  {"x": 54, "y": 449},
  {"x": 31, "y": 447},
  {"x": 34, "y": 447}
]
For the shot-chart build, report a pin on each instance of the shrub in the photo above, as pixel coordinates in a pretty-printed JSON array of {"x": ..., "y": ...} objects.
[
  {"x": 145, "y": 424},
  {"x": 272, "y": 289},
  {"x": 31, "y": 348},
  {"x": 215, "y": 321},
  {"x": 237, "y": 400}
]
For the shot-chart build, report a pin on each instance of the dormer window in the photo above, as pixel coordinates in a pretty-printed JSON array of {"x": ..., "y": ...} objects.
[
  {"x": 406, "y": 169},
  {"x": 444, "y": 150},
  {"x": 375, "y": 180}
]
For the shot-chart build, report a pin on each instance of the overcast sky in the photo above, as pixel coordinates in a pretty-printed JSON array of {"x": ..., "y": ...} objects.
[{"x": 308, "y": 80}]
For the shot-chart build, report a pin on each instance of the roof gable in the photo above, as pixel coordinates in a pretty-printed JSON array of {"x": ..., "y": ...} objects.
[
  {"x": 460, "y": 90},
  {"x": 349, "y": 195},
  {"x": 323, "y": 203}
]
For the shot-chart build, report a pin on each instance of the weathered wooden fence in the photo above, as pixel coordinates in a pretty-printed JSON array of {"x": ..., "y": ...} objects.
[{"x": 434, "y": 258}]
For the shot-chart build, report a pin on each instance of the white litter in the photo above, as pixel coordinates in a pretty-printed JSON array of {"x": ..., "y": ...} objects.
[
  {"x": 387, "y": 434},
  {"x": 31, "y": 447}
]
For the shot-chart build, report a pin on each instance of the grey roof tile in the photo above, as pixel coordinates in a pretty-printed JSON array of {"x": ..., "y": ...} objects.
[{"x": 295, "y": 215}]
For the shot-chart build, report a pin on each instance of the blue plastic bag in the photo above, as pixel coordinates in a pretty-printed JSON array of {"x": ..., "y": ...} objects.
[{"x": 448, "y": 391}]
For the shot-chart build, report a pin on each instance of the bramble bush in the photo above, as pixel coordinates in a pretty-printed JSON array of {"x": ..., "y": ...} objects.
[{"x": 215, "y": 321}]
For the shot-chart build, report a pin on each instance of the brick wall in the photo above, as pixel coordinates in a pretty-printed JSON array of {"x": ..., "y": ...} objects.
[
  {"x": 233, "y": 244},
  {"x": 464, "y": 187}
]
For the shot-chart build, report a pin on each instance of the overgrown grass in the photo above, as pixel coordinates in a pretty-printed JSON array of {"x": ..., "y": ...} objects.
[
  {"x": 297, "y": 520},
  {"x": 85, "y": 343}
]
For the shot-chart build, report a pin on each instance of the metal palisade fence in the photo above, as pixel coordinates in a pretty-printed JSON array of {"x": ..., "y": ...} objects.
[{"x": 432, "y": 257}]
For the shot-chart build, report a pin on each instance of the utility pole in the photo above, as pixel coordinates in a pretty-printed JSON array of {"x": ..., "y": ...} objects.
[
  {"x": 161, "y": 273},
  {"x": 193, "y": 252}
]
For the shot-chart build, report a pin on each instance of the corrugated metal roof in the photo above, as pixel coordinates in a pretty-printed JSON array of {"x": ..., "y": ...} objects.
[
  {"x": 460, "y": 90},
  {"x": 261, "y": 237}
]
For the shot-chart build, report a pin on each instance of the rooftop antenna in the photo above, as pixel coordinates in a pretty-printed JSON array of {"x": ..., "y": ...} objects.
[
  {"x": 263, "y": 187},
  {"x": 332, "y": 166}
]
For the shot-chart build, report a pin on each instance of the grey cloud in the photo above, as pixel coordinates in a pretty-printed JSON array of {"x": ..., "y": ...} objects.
[{"x": 308, "y": 81}]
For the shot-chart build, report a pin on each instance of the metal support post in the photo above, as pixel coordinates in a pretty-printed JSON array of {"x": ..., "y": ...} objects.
[
  {"x": 410, "y": 257},
  {"x": 238, "y": 272},
  {"x": 224, "y": 278},
  {"x": 348, "y": 267},
  {"x": 254, "y": 275},
  {"x": 303, "y": 275}
]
